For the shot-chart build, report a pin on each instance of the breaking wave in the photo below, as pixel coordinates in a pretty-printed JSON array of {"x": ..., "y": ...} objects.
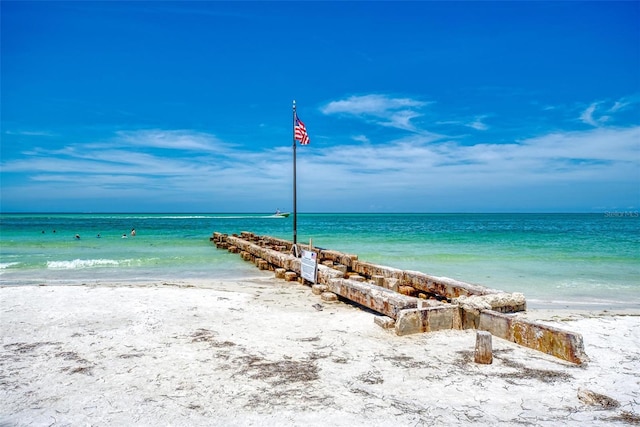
[
  {"x": 86, "y": 263},
  {"x": 4, "y": 265}
]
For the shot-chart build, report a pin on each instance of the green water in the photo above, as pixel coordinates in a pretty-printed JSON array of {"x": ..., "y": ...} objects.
[{"x": 564, "y": 259}]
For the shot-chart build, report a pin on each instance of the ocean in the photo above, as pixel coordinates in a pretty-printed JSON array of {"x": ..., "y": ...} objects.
[{"x": 555, "y": 260}]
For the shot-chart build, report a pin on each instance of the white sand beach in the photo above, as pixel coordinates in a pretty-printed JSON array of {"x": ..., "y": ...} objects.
[{"x": 267, "y": 352}]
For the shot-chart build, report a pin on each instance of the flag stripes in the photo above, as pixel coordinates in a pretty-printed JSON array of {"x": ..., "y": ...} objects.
[{"x": 300, "y": 132}]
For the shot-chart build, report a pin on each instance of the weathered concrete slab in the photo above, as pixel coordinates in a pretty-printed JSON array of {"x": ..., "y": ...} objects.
[
  {"x": 338, "y": 257},
  {"x": 502, "y": 302},
  {"x": 438, "y": 317},
  {"x": 273, "y": 257},
  {"x": 472, "y": 306},
  {"x": 376, "y": 298},
  {"x": 378, "y": 280},
  {"x": 369, "y": 270},
  {"x": 384, "y": 322},
  {"x": 547, "y": 339},
  {"x": 442, "y": 286},
  {"x": 341, "y": 268},
  {"x": 326, "y": 274}
]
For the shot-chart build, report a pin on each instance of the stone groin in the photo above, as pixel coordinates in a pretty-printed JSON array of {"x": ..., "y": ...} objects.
[{"x": 408, "y": 301}]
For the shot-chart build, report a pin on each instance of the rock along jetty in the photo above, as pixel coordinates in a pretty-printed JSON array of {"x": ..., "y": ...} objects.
[{"x": 409, "y": 301}]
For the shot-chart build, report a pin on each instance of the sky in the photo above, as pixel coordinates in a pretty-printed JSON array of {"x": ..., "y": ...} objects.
[{"x": 183, "y": 107}]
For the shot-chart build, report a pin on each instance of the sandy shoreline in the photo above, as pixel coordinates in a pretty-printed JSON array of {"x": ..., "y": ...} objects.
[{"x": 262, "y": 352}]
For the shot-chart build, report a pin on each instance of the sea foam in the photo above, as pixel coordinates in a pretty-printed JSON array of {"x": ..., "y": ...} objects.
[
  {"x": 84, "y": 263},
  {"x": 4, "y": 265}
]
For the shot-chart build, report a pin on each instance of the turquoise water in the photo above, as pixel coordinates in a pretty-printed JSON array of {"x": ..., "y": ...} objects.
[{"x": 564, "y": 260}]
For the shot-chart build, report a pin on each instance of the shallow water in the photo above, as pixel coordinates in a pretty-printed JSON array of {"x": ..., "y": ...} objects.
[{"x": 587, "y": 260}]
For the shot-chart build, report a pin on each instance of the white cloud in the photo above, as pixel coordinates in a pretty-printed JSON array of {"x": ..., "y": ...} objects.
[
  {"x": 29, "y": 133},
  {"x": 381, "y": 109},
  {"x": 414, "y": 168},
  {"x": 599, "y": 113},
  {"x": 361, "y": 138},
  {"x": 411, "y": 171},
  {"x": 420, "y": 171},
  {"x": 587, "y": 115},
  {"x": 172, "y": 139},
  {"x": 624, "y": 103},
  {"x": 618, "y": 105},
  {"x": 477, "y": 124},
  {"x": 376, "y": 105}
]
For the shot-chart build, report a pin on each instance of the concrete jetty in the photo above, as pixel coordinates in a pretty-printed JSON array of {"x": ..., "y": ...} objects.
[{"x": 408, "y": 301}]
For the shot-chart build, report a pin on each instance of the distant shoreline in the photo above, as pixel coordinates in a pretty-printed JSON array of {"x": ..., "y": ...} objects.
[{"x": 611, "y": 213}]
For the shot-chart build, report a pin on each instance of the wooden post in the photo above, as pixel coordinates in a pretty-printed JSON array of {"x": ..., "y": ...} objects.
[{"x": 484, "y": 352}]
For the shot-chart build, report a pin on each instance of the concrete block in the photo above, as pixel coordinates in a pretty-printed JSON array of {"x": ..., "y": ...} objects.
[
  {"x": 326, "y": 274},
  {"x": 408, "y": 322},
  {"x": 407, "y": 290},
  {"x": 376, "y": 298},
  {"x": 290, "y": 276},
  {"x": 412, "y": 321},
  {"x": 497, "y": 324},
  {"x": 392, "y": 283},
  {"x": 442, "y": 286},
  {"x": 341, "y": 268},
  {"x": 378, "y": 280},
  {"x": 318, "y": 289},
  {"x": 329, "y": 297},
  {"x": 369, "y": 270},
  {"x": 338, "y": 257},
  {"x": 279, "y": 273},
  {"x": 384, "y": 322},
  {"x": 547, "y": 339},
  {"x": 502, "y": 302}
]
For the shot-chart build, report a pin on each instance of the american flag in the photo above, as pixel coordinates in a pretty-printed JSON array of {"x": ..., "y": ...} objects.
[{"x": 300, "y": 132}]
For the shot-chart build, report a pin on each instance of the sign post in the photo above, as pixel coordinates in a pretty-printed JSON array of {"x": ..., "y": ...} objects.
[{"x": 309, "y": 266}]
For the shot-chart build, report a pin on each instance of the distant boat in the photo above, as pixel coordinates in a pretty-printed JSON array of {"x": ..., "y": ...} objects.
[{"x": 279, "y": 214}]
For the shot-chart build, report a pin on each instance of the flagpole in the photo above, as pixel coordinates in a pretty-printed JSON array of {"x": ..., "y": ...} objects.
[{"x": 295, "y": 202}]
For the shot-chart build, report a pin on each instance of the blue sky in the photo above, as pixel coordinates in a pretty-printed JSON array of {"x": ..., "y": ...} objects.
[{"x": 410, "y": 106}]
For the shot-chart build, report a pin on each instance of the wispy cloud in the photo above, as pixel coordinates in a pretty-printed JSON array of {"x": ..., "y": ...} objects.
[
  {"x": 478, "y": 124},
  {"x": 625, "y": 103},
  {"x": 140, "y": 156},
  {"x": 29, "y": 133},
  {"x": 601, "y": 112},
  {"x": 587, "y": 115},
  {"x": 381, "y": 109},
  {"x": 405, "y": 170},
  {"x": 172, "y": 139},
  {"x": 361, "y": 138},
  {"x": 410, "y": 168}
]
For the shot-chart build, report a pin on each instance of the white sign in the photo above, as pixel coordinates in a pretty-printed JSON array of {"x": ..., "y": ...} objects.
[{"x": 309, "y": 266}]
